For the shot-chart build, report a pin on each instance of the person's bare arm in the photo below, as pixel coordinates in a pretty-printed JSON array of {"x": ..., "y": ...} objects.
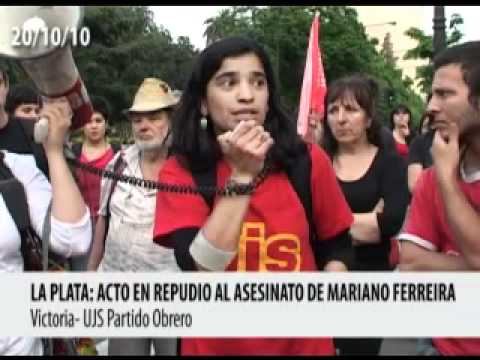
[
  {"x": 245, "y": 148},
  {"x": 335, "y": 266},
  {"x": 67, "y": 201},
  {"x": 364, "y": 229},
  {"x": 464, "y": 222},
  {"x": 98, "y": 246},
  {"x": 68, "y": 209},
  {"x": 416, "y": 258},
  {"x": 414, "y": 171},
  {"x": 463, "y": 219}
]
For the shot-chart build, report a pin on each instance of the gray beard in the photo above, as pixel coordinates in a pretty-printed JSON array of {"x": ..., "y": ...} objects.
[
  {"x": 155, "y": 144},
  {"x": 151, "y": 145}
]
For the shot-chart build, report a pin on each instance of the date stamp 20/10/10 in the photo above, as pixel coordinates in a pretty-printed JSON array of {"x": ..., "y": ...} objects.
[{"x": 50, "y": 37}]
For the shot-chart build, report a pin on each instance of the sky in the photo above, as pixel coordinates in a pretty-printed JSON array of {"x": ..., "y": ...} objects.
[
  {"x": 470, "y": 15},
  {"x": 188, "y": 20}
]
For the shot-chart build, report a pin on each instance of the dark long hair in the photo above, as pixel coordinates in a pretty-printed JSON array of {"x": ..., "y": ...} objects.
[
  {"x": 199, "y": 148},
  {"x": 101, "y": 105},
  {"x": 401, "y": 109},
  {"x": 426, "y": 116},
  {"x": 21, "y": 94},
  {"x": 365, "y": 91}
]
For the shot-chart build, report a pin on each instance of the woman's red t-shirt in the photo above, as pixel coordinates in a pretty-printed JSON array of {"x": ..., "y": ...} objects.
[
  {"x": 274, "y": 237},
  {"x": 402, "y": 149}
]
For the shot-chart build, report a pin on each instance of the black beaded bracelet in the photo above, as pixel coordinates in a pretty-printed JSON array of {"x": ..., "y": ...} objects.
[{"x": 234, "y": 187}]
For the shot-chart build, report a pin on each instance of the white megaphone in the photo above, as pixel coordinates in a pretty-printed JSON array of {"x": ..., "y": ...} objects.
[{"x": 27, "y": 34}]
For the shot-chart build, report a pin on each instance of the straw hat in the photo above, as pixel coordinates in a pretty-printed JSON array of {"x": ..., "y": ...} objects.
[{"x": 154, "y": 94}]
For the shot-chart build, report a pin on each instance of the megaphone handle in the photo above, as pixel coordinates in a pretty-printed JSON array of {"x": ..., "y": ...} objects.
[{"x": 40, "y": 130}]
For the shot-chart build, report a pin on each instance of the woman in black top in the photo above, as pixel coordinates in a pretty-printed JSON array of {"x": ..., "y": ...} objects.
[
  {"x": 373, "y": 180},
  {"x": 419, "y": 156}
]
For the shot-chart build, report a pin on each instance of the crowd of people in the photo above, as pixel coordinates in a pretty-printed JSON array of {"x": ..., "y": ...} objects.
[{"x": 369, "y": 192}]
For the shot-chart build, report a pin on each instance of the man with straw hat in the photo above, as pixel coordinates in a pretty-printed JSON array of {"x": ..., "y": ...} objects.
[{"x": 123, "y": 236}]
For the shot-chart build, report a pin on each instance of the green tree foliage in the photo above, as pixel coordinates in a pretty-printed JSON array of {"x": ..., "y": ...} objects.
[
  {"x": 346, "y": 49},
  {"x": 387, "y": 50},
  {"x": 424, "y": 50},
  {"x": 126, "y": 47}
]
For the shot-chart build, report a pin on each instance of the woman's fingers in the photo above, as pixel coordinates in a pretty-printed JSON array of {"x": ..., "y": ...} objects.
[{"x": 241, "y": 129}]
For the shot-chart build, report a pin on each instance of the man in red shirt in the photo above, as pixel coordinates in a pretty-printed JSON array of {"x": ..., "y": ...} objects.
[{"x": 441, "y": 231}]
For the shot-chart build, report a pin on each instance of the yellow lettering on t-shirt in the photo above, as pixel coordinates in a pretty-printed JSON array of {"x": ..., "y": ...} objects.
[{"x": 278, "y": 252}]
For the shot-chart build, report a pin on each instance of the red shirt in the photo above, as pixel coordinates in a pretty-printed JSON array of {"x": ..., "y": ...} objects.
[
  {"x": 402, "y": 149},
  {"x": 274, "y": 237},
  {"x": 427, "y": 226},
  {"x": 89, "y": 184}
]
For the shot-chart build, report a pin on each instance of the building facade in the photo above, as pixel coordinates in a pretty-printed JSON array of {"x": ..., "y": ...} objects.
[{"x": 395, "y": 20}]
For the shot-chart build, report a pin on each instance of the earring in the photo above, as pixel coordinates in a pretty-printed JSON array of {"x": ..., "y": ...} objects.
[{"x": 203, "y": 123}]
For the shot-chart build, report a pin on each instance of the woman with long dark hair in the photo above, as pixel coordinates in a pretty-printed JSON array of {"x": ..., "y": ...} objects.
[
  {"x": 400, "y": 123},
  {"x": 230, "y": 122},
  {"x": 372, "y": 178},
  {"x": 96, "y": 151}
]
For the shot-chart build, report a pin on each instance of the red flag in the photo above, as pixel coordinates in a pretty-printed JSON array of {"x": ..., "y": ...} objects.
[{"x": 314, "y": 86}]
